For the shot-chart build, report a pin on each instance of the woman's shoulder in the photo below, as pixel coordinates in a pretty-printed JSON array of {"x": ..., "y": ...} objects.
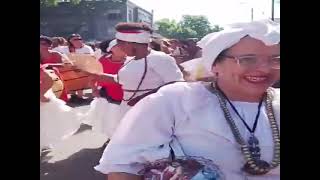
[
  {"x": 189, "y": 96},
  {"x": 184, "y": 91}
]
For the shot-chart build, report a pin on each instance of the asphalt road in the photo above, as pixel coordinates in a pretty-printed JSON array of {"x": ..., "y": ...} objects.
[{"x": 74, "y": 158}]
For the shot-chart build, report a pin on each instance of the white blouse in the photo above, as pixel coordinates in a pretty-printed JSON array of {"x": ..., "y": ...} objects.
[
  {"x": 85, "y": 49},
  {"x": 189, "y": 118},
  {"x": 161, "y": 68}
]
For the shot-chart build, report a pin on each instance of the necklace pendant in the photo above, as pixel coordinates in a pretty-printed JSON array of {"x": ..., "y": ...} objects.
[
  {"x": 254, "y": 147},
  {"x": 253, "y": 141},
  {"x": 261, "y": 167}
]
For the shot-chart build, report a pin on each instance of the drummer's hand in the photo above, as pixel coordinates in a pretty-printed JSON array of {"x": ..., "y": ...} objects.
[
  {"x": 44, "y": 99},
  {"x": 70, "y": 65},
  {"x": 95, "y": 93}
]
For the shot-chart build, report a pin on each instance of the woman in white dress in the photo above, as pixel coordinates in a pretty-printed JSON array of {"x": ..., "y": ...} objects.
[
  {"x": 144, "y": 71},
  {"x": 108, "y": 96},
  {"x": 57, "y": 120},
  {"x": 233, "y": 121}
]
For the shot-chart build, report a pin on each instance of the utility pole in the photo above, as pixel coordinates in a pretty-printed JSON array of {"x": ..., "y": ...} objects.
[
  {"x": 251, "y": 14},
  {"x": 272, "y": 10}
]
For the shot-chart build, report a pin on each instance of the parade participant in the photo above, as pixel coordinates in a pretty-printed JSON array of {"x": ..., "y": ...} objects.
[
  {"x": 57, "y": 120},
  {"x": 233, "y": 121},
  {"x": 58, "y": 42},
  {"x": 143, "y": 72},
  {"x": 48, "y": 56},
  {"x": 76, "y": 46},
  {"x": 107, "y": 92}
]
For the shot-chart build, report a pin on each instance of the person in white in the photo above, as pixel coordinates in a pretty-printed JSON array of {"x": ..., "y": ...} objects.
[
  {"x": 76, "y": 45},
  {"x": 233, "y": 121},
  {"x": 57, "y": 120},
  {"x": 98, "y": 115},
  {"x": 143, "y": 72}
]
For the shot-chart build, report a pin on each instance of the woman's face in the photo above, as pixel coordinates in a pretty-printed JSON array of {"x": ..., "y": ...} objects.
[
  {"x": 76, "y": 42},
  {"x": 117, "y": 51},
  {"x": 249, "y": 67},
  {"x": 44, "y": 46},
  {"x": 126, "y": 47}
]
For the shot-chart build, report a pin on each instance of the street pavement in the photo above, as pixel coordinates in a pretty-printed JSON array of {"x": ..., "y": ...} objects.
[{"x": 75, "y": 157}]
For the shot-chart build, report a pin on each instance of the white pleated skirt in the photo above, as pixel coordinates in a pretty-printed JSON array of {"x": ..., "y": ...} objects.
[
  {"x": 57, "y": 121},
  {"x": 104, "y": 117}
]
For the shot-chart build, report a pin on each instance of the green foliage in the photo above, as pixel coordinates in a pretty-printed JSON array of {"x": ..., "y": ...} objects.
[{"x": 189, "y": 27}]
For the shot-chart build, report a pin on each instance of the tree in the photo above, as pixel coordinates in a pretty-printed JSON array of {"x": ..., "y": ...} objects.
[
  {"x": 184, "y": 33},
  {"x": 216, "y": 28},
  {"x": 167, "y": 27},
  {"x": 198, "y": 24},
  {"x": 49, "y": 3},
  {"x": 188, "y": 27}
]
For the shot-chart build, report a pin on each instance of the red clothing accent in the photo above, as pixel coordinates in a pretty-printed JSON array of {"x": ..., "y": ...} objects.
[
  {"x": 54, "y": 58},
  {"x": 131, "y": 31},
  {"x": 64, "y": 94},
  {"x": 41, "y": 70},
  {"x": 114, "y": 90}
]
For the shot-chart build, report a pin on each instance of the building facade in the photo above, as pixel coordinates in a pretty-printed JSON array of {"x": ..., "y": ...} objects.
[{"x": 93, "y": 20}]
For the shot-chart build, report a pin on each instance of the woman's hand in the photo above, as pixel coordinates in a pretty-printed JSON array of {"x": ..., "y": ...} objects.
[{"x": 95, "y": 93}]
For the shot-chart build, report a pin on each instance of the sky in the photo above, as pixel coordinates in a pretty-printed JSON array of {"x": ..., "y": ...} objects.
[{"x": 219, "y": 12}]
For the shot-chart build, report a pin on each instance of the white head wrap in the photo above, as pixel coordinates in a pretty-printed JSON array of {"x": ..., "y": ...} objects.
[
  {"x": 111, "y": 45},
  {"x": 214, "y": 43},
  {"x": 137, "y": 36}
]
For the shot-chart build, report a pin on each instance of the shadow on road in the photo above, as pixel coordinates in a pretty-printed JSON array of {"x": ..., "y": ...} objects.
[{"x": 78, "y": 166}]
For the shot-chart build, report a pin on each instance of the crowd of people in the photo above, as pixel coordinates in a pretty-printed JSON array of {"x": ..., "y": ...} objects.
[{"x": 170, "y": 109}]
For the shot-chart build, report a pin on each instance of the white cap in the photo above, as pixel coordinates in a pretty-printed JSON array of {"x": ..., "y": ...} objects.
[
  {"x": 111, "y": 45},
  {"x": 213, "y": 44}
]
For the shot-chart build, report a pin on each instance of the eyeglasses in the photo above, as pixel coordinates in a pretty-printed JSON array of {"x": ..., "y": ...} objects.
[
  {"x": 77, "y": 39},
  {"x": 253, "y": 61}
]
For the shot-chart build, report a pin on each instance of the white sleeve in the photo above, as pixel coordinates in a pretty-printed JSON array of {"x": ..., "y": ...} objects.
[
  {"x": 89, "y": 50},
  {"x": 167, "y": 68},
  {"x": 62, "y": 49},
  {"x": 143, "y": 135}
]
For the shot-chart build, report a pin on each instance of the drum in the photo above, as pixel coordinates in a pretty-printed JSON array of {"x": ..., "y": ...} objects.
[
  {"x": 57, "y": 86},
  {"x": 86, "y": 63},
  {"x": 74, "y": 79}
]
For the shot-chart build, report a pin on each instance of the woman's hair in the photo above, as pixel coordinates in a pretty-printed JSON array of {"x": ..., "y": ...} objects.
[
  {"x": 46, "y": 39},
  {"x": 220, "y": 57},
  {"x": 104, "y": 45},
  {"x": 59, "y": 41},
  {"x": 125, "y": 26},
  {"x": 155, "y": 45},
  {"x": 72, "y": 36}
]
